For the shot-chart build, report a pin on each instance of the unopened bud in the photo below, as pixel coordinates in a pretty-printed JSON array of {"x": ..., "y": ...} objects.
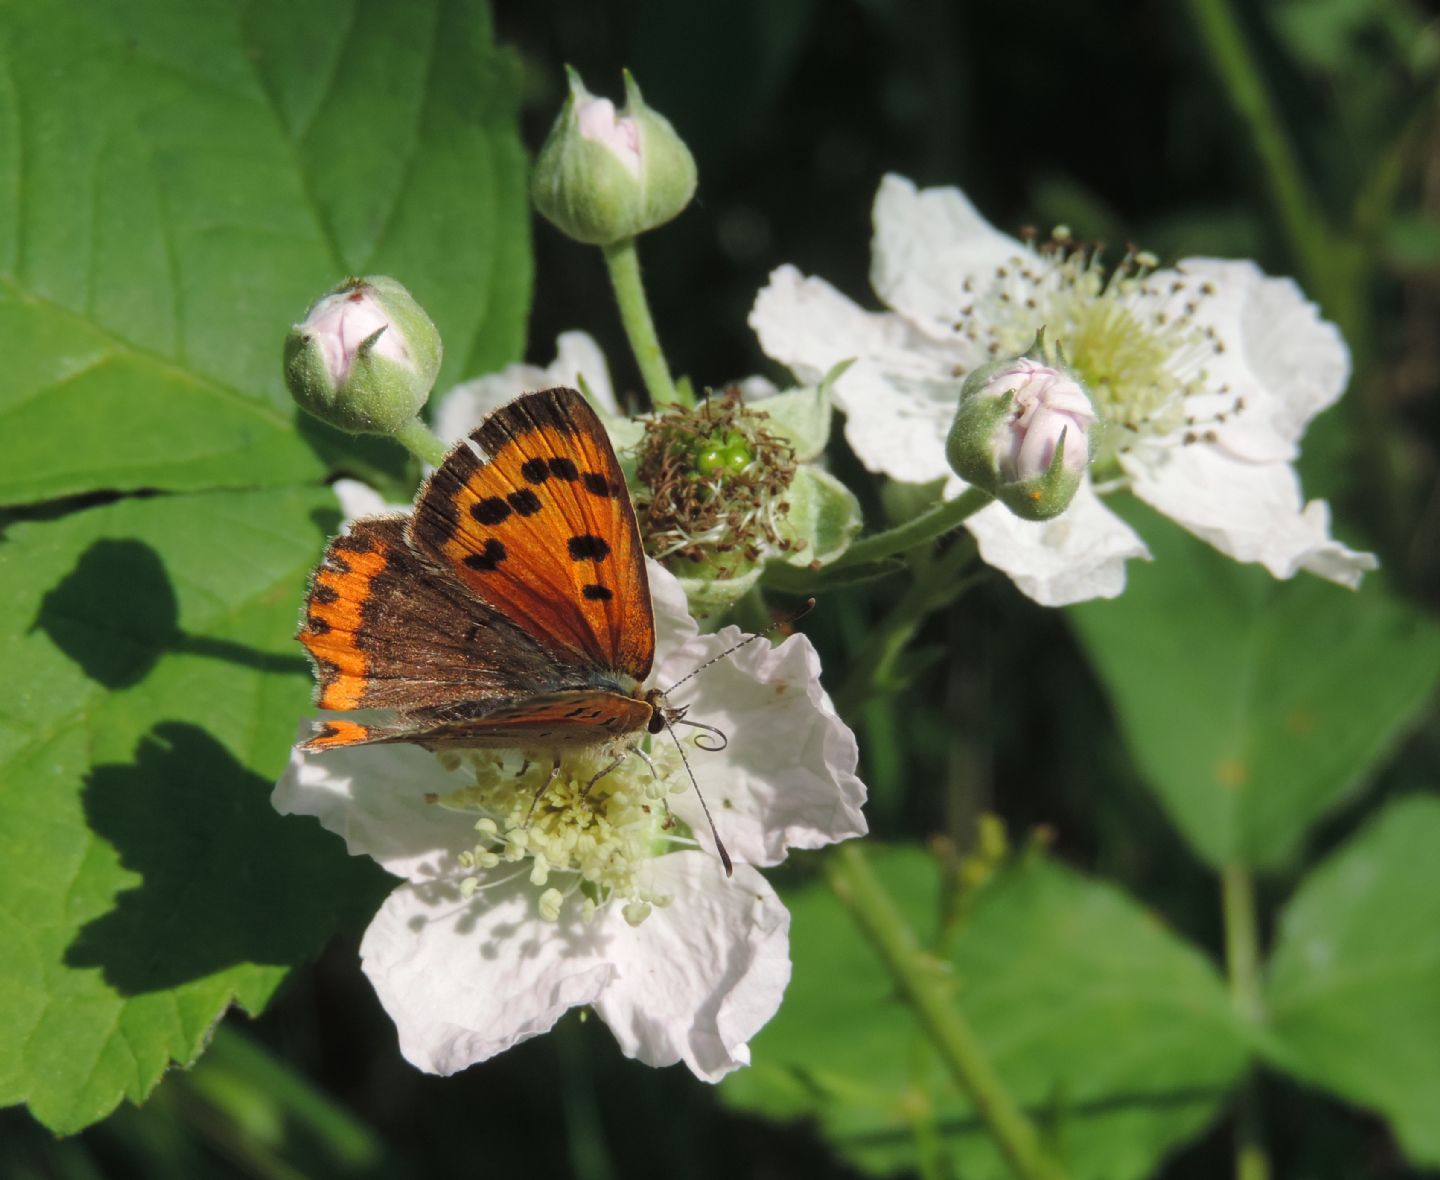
[
  {"x": 603, "y": 176},
  {"x": 364, "y": 358},
  {"x": 1025, "y": 431}
]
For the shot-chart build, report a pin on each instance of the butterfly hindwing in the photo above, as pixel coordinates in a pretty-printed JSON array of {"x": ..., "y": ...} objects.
[
  {"x": 386, "y": 629},
  {"x": 532, "y": 515},
  {"x": 554, "y": 721}
]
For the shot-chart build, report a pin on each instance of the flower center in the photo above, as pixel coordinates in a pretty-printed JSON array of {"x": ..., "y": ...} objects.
[
  {"x": 584, "y": 832},
  {"x": 1134, "y": 336},
  {"x": 714, "y": 480}
]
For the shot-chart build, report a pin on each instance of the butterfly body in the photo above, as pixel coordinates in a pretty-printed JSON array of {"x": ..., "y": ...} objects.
[{"x": 510, "y": 610}]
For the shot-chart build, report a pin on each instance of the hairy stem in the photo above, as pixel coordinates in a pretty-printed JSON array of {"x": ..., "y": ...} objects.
[
  {"x": 422, "y": 442},
  {"x": 925, "y": 990},
  {"x": 623, "y": 263}
]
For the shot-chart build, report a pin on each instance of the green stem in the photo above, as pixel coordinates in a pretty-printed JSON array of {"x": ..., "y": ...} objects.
[
  {"x": 623, "y": 262},
  {"x": 930, "y": 997},
  {"x": 931, "y": 524},
  {"x": 936, "y": 584},
  {"x": 1242, "y": 965},
  {"x": 422, "y": 442}
]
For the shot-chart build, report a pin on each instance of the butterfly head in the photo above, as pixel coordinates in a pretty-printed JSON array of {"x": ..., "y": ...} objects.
[{"x": 662, "y": 712}]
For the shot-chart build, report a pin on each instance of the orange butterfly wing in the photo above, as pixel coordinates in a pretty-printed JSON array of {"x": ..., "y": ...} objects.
[{"x": 533, "y": 516}]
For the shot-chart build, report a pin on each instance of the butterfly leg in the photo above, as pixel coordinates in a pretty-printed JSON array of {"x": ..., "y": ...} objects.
[
  {"x": 545, "y": 786},
  {"x": 645, "y": 758},
  {"x": 619, "y": 758}
]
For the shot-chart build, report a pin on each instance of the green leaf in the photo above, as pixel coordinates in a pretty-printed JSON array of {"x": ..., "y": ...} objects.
[
  {"x": 1253, "y": 706},
  {"x": 1116, "y": 1036},
  {"x": 179, "y": 179},
  {"x": 147, "y": 881},
  {"x": 1353, "y": 987}
]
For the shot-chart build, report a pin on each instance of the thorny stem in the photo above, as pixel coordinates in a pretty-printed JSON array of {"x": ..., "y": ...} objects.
[
  {"x": 422, "y": 442},
  {"x": 931, "y": 999},
  {"x": 1242, "y": 965},
  {"x": 623, "y": 263}
]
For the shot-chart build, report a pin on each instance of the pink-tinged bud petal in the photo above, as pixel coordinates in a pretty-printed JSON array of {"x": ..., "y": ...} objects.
[
  {"x": 341, "y": 323},
  {"x": 598, "y": 122},
  {"x": 1048, "y": 404}
]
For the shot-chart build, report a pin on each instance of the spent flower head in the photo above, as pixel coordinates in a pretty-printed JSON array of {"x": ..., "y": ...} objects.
[
  {"x": 605, "y": 892},
  {"x": 1203, "y": 375},
  {"x": 364, "y": 358}
]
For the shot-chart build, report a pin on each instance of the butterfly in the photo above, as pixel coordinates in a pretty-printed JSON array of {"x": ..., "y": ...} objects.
[{"x": 510, "y": 610}]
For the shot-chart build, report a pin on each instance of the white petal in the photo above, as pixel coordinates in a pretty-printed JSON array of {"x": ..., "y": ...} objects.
[
  {"x": 900, "y": 394},
  {"x": 787, "y": 777},
  {"x": 674, "y": 625},
  {"x": 1250, "y": 511},
  {"x": 464, "y": 981},
  {"x": 699, "y": 977},
  {"x": 374, "y": 797},
  {"x": 1284, "y": 360},
  {"x": 360, "y": 499},
  {"x": 927, "y": 243},
  {"x": 1079, "y": 555},
  {"x": 578, "y": 361}
]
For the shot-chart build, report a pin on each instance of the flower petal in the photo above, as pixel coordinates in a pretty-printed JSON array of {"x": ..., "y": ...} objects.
[
  {"x": 360, "y": 499},
  {"x": 578, "y": 363},
  {"x": 1079, "y": 555},
  {"x": 374, "y": 797},
  {"x": 465, "y": 980},
  {"x": 1286, "y": 362},
  {"x": 674, "y": 624},
  {"x": 900, "y": 394},
  {"x": 1250, "y": 511},
  {"x": 927, "y": 244},
  {"x": 787, "y": 777},
  {"x": 699, "y": 977}
]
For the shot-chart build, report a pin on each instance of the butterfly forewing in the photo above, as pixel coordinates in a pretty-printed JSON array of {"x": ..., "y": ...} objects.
[{"x": 538, "y": 525}]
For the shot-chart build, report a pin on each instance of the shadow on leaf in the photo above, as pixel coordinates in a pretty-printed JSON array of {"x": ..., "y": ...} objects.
[
  {"x": 115, "y": 614},
  {"x": 226, "y": 880}
]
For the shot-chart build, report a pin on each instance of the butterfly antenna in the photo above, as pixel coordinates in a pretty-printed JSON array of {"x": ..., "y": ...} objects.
[
  {"x": 804, "y": 610},
  {"x": 714, "y": 731},
  {"x": 705, "y": 807}
]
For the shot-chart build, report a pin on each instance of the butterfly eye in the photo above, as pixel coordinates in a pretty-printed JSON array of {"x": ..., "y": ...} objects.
[{"x": 656, "y": 722}]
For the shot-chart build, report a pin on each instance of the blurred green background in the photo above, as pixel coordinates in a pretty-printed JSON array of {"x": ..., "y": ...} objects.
[{"x": 1113, "y": 118}]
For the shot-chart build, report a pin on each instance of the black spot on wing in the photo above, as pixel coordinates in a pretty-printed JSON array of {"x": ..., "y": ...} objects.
[
  {"x": 597, "y": 593},
  {"x": 489, "y": 559},
  {"x": 565, "y": 469},
  {"x": 525, "y": 502},
  {"x": 598, "y": 484},
  {"x": 535, "y": 470},
  {"x": 589, "y": 547},
  {"x": 490, "y": 511}
]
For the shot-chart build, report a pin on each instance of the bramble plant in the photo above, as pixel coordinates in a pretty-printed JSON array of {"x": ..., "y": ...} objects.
[{"x": 1077, "y": 833}]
